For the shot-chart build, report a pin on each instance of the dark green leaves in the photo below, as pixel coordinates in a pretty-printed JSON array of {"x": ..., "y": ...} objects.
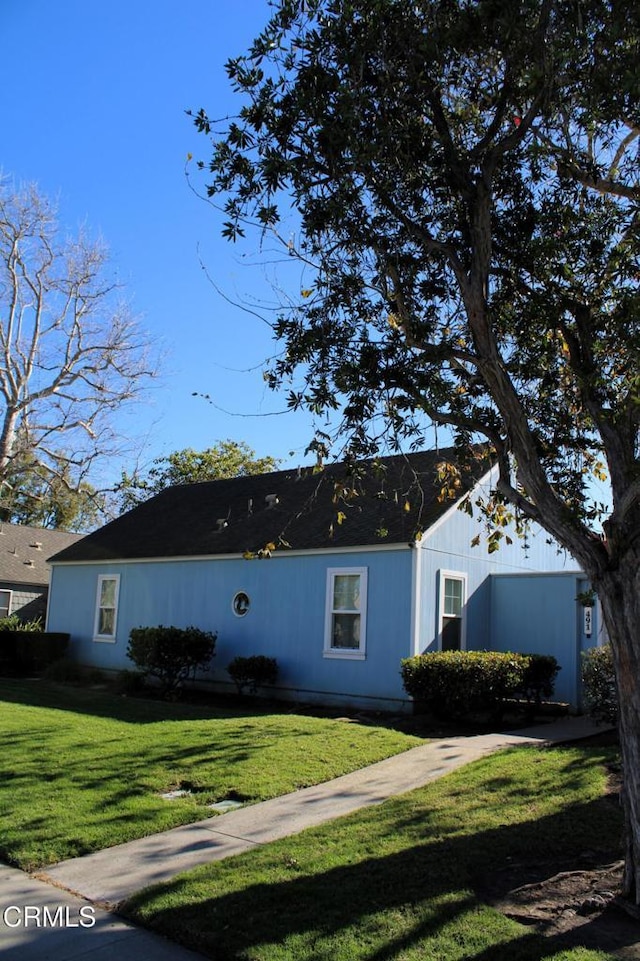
[{"x": 465, "y": 205}]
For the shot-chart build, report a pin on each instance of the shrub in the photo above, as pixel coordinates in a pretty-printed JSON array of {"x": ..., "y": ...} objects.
[
  {"x": 253, "y": 672},
  {"x": 455, "y": 683},
  {"x": 13, "y": 623},
  {"x": 599, "y": 680},
  {"x": 25, "y": 652},
  {"x": 539, "y": 677},
  {"x": 170, "y": 654}
]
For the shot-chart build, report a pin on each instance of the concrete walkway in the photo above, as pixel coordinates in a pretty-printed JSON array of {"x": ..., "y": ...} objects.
[
  {"x": 107, "y": 877},
  {"x": 41, "y": 923}
]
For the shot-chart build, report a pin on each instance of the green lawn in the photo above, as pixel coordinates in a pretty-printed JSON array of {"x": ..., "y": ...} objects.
[
  {"x": 82, "y": 770},
  {"x": 398, "y": 882}
]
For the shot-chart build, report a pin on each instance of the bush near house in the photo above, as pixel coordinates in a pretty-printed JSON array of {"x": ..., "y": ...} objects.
[
  {"x": 539, "y": 677},
  {"x": 25, "y": 649},
  {"x": 253, "y": 672},
  {"x": 599, "y": 680},
  {"x": 14, "y": 623},
  {"x": 455, "y": 683},
  {"x": 170, "y": 654}
]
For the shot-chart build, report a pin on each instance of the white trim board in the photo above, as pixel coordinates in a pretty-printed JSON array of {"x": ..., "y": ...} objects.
[{"x": 277, "y": 555}]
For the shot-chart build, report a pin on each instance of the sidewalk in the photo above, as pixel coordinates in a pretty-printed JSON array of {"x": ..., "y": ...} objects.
[
  {"x": 109, "y": 876},
  {"x": 28, "y": 934}
]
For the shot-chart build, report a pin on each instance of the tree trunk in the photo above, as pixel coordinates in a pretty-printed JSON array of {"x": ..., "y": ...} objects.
[
  {"x": 619, "y": 593},
  {"x": 7, "y": 439}
]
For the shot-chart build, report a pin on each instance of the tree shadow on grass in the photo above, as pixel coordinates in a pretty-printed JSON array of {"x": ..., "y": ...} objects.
[
  {"x": 71, "y": 785},
  {"x": 415, "y": 902},
  {"x": 104, "y": 703},
  {"x": 145, "y": 708}
]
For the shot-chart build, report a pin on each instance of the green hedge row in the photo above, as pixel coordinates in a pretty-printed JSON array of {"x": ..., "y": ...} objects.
[
  {"x": 456, "y": 683},
  {"x": 30, "y": 652}
]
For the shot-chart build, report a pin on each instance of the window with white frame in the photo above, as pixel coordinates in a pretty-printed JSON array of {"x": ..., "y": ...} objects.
[
  {"x": 452, "y": 605},
  {"x": 106, "y": 607},
  {"x": 5, "y": 603},
  {"x": 346, "y": 612}
]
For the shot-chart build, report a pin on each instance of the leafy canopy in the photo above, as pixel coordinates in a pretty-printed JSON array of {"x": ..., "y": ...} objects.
[
  {"x": 37, "y": 497},
  {"x": 227, "y": 458},
  {"x": 462, "y": 180}
]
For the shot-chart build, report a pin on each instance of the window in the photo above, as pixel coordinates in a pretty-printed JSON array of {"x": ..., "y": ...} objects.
[
  {"x": 106, "y": 607},
  {"x": 346, "y": 612},
  {"x": 5, "y": 603},
  {"x": 241, "y": 604},
  {"x": 452, "y": 600}
]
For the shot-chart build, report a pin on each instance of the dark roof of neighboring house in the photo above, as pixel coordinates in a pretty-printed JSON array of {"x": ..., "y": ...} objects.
[
  {"x": 299, "y": 509},
  {"x": 24, "y": 552}
]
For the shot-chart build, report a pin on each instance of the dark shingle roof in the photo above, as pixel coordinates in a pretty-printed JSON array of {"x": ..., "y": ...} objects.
[
  {"x": 299, "y": 509},
  {"x": 24, "y": 552}
]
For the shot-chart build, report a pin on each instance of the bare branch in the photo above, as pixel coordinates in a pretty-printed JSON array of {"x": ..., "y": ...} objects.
[{"x": 71, "y": 353}]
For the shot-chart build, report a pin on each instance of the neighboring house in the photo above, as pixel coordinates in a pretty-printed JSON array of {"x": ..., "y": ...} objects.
[
  {"x": 24, "y": 571},
  {"x": 354, "y": 581}
]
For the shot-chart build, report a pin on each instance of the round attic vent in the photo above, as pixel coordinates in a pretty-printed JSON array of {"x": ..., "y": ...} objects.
[{"x": 241, "y": 604}]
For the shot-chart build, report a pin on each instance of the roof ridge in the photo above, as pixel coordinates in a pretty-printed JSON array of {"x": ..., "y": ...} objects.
[{"x": 312, "y": 469}]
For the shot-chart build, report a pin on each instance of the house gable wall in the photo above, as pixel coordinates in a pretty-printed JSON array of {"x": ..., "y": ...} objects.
[{"x": 448, "y": 547}]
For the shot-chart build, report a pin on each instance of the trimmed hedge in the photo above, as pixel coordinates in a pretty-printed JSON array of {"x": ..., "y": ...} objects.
[
  {"x": 456, "y": 683},
  {"x": 253, "y": 672},
  {"x": 24, "y": 652},
  {"x": 599, "y": 680},
  {"x": 170, "y": 654}
]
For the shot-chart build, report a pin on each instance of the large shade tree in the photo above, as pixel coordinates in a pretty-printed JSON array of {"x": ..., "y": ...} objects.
[{"x": 460, "y": 181}]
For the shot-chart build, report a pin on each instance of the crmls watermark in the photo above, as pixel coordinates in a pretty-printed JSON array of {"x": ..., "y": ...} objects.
[{"x": 34, "y": 916}]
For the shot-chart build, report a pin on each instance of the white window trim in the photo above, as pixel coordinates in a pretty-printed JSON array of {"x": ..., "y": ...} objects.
[
  {"x": 345, "y": 654},
  {"x": 456, "y": 576},
  {"x": 8, "y": 590},
  {"x": 106, "y": 638}
]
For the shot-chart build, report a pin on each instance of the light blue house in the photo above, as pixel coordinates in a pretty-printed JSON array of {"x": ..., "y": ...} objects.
[
  {"x": 337, "y": 575},
  {"x": 547, "y": 615}
]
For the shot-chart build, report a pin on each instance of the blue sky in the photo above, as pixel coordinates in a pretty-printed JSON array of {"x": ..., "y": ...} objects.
[{"x": 93, "y": 95}]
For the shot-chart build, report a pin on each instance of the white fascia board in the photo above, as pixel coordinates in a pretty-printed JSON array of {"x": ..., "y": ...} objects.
[
  {"x": 570, "y": 573},
  {"x": 285, "y": 552},
  {"x": 416, "y": 599}
]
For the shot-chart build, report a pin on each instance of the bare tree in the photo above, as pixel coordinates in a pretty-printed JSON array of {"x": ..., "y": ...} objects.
[{"x": 71, "y": 352}]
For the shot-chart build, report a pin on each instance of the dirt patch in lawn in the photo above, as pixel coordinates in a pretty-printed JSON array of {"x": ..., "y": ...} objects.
[{"x": 577, "y": 905}]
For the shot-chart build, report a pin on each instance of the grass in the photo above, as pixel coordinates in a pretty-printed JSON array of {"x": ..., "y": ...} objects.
[
  {"x": 82, "y": 770},
  {"x": 400, "y": 881}
]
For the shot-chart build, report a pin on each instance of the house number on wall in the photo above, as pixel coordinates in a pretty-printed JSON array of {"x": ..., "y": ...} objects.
[{"x": 588, "y": 621}]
